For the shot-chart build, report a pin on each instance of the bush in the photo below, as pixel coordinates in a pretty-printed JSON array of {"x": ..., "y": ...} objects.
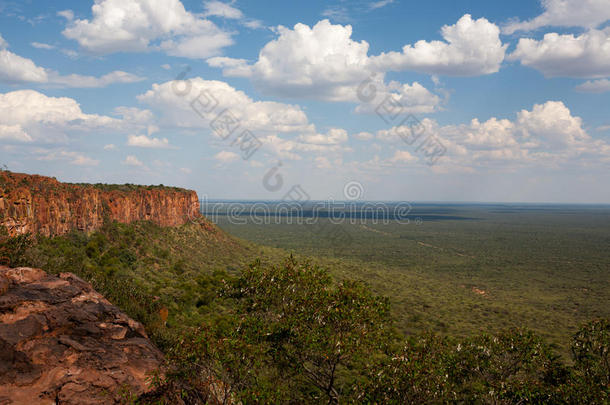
[{"x": 13, "y": 248}]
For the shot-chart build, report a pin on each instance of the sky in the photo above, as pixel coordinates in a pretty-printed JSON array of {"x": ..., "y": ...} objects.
[{"x": 468, "y": 100}]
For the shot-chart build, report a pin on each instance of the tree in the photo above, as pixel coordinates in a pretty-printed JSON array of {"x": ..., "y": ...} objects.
[{"x": 294, "y": 335}]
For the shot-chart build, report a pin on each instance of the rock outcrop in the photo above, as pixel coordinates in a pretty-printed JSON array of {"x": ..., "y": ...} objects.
[
  {"x": 38, "y": 204},
  {"x": 61, "y": 342}
]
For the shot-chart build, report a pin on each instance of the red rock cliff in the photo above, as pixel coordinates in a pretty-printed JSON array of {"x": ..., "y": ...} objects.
[{"x": 38, "y": 204}]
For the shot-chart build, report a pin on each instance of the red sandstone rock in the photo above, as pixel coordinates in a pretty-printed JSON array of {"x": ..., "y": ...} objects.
[
  {"x": 62, "y": 342},
  {"x": 38, "y": 204}
]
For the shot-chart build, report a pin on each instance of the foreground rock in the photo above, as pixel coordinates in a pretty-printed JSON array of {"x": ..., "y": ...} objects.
[{"x": 61, "y": 342}]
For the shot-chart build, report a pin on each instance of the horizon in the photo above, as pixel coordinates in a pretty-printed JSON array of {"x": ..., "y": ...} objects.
[{"x": 475, "y": 103}]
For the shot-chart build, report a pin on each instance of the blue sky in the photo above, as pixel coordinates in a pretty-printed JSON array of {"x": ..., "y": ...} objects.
[{"x": 415, "y": 101}]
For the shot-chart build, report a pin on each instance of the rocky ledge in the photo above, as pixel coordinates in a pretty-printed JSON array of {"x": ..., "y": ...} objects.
[{"x": 61, "y": 342}]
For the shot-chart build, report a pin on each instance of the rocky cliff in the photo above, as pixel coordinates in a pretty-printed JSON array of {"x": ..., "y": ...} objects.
[
  {"x": 38, "y": 204},
  {"x": 61, "y": 342}
]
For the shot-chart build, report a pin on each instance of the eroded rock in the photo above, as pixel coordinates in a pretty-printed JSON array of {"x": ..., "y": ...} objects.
[
  {"x": 38, "y": 204},
  {"x": 61, "y": 342}
]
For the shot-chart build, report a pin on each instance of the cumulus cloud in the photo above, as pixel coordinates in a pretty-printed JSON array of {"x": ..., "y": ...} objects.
[
  {"x": 143, "y": 25},
  {"x": 226, "y": 156},
  {"x": 143, "y": 141},
  {"x": 548, "y": 134},
  {"x": 585, "y": 55},
  {"x": 189, "y": 111},
  {"x": 110, "y": 146},
  {"x": 334, "y": 136},
  {"x": 470, "y": 48},
  {"x": 3, "y": 43},
  {"x": 324, "y": 62},
  {"x": 364, "y": 136},
  {"x": 14, "y": 133},
  {"x": 30, "y": 115},
  {"x": 402, "y": 156},
  {"x": 319, "y": 62},
  {"x": 399, "y": 99},
  {"x": 594, "y": 86},
  {"x": 565, "y": 13},
  {"x": 133, "y": 161},
  {"x": 17, "y": 69}
]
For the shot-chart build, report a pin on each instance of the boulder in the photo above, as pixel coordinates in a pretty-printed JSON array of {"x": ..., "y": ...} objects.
[{"x": 61, "y": 342}]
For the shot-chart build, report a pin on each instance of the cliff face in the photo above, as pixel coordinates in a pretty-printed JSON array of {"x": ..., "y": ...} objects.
[
  {"x": 38, "y": 204},
  {"x": 62, "y": 342}
]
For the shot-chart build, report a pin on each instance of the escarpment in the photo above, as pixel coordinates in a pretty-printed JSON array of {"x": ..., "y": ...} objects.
[{"x": 38, "y": 204}]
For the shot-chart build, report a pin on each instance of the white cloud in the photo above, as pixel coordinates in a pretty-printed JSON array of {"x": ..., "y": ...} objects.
[
  {"x": 166, "y": 66},
  {"x": 585, "y": 55},
  {"x": 379, "y": 4},
  {"x": 40, "y": 45},
  {"x": 397, "y": 98},
  {"x": 364, "y": 136},
  {"x": 175, "y": 110},
  {"x": 47, "y": 119},
  {"x": 471, "y": 48},
  {"x": 72, "y": 54},
  {"x": 67, "y": 14},
  {"x": 594, "y": 86},
  {"x": 133, "y": 161},
  {"x": 565, "y": 13},
  {"x": 546, "y": 135},
  {"x": 71, "y": 157},
  {"x": 226, "y": 156},
  {"x": 110, "y": 146},
  {"x": 3, "y": 43},
  {"x": 16, "y": 69},
  {"x": 334, "y": 136},
  {"x": 552, "y": 126},
  {"x": 142, "y": 25},
  {"x": 324, "y": 62},
  {"x": 402, "y": 156},
  {"x": 253, "y": 24},
  {"x": 186, "y": 170},
  {"x": 143, "y": 141},
  {"x": 220, "y": 9},
  {"x": 14, "y": 133},
  {"x": 80, "y": 81},
  {"x": 318, "y": 62}
]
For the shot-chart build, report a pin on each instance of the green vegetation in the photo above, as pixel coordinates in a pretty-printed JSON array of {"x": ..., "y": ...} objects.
[
  {"x": 277, "y": 330},
  {"x": 127, "y": 187},
  {"x": 294, "y": 336},
  {"x": 545, "y": 268}
]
